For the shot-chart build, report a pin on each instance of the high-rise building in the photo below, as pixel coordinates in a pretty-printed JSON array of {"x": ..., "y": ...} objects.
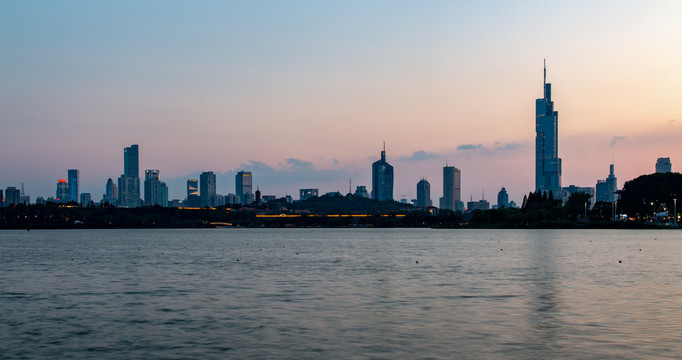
[
  {"x": 452, "y": 199},
  {"x": 192, "y": 194},
  {"x": 663, "y": 165},
  {"x": 361, "y": 190},
  {"x": 12, "y": 196},
  {"x": 86, "y": 199},
  {"x": 547, "y": 161},
  {"x": 567, "y": 191},
  {"x": 153, "y": 189},
  {"x": 73, "y": 176},
  {"x": 111, "y": 193},
  {"x": 502, "y": 199},
  {"x": 606, "y": 189},
  {"x": 62, "y": 191},
  {"x": 423, "y": 193},
  {"x": 129, "y": 182},
  {"x": 23, "y": 198},
  {"x": 207, "y": 189},
  {"x": 244, "y": 187},
  {"x": 382, "y": 178},
  {"x": 2, "y": 198}
]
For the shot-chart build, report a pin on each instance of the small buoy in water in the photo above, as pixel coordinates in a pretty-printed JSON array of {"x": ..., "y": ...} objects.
[
  {"x": 247, "y": 243},
  {"x": 28, "y": 252},
  {"x": 619, "y": 261},
  {"x": 283, "y": 246},
  {"x": 417, "y": 261},
  {"x": 640, "y": 249},
  {"x": 296, "y": 253},
  {"x": 260, "y": 249},
  {"x": 501, "y": 249},
  {"x": 161, "y": 253},
  {"x": 71, "y": 259},
  {"x": 237, "y": 259}
]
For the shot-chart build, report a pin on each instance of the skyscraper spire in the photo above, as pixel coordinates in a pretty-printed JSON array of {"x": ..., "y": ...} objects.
[{"x": 544, "y": 78}]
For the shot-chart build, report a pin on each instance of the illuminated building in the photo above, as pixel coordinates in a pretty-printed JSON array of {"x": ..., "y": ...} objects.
[
  {"x": 547, "y": 161},
  {"x": 86, "y": 199},
  {"x": 663, "y": 165},
  {"x": 423, "y": 194},
  {"x": 382, "y": 178},
  {"x": 244, "y": 187},
  {"x": 129, "y": 182},
  {"x": 451, "y": 199},
  {"x": 62, "y": 191},
  {"x": 192, "y": 193},
  {"x": 207, "y": 189}
]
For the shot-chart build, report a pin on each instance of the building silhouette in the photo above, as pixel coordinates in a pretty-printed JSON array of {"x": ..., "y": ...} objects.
[
  {"x": 12, "y": 196},
  {"x": 361, "y": 190},
  {"x": 155, "y": 190},
  {"x": 129, "y": 182},
  {"x": 567, "y": 191},
  {"x": 244, "y": 187},
  {"x": 452, "y": 194},
  {"x": 305, "y": 194},
  {"x": 663, "y": 165},
  {"x": 382, "y": 178},
  {"x": 86, "y": 199},
  {"x": 111, "y": 193},
  {"x": 423, "y": 194},
  {"x": 73, "y": 176},
  {"x": 606, "y": 189},
  {"x": 62, "y": 195},
  {"x": 207, "y": 189},
  {"x": 502, "y": 199},
  {"x": 547, "y": 161},
  {"x": 193, "y": 194}
]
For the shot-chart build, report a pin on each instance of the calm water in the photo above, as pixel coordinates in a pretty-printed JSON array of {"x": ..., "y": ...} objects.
[{"x": 347, "y": 293}]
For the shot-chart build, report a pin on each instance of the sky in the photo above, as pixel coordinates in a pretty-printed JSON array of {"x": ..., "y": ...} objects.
[{"x": 305, "y": 93}]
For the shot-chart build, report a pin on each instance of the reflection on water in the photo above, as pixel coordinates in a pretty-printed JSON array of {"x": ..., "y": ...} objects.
[{"x": 348, "y": 293}]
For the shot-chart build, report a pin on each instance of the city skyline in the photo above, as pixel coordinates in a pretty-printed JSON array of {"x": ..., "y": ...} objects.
[{"x": 316, "y": 97}]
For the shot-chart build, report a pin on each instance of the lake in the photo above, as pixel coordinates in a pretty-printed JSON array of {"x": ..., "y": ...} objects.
[{"x": 340, "y": 294}]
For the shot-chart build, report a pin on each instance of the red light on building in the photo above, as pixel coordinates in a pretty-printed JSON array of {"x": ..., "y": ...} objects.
[{"x": 62, "y": 180}]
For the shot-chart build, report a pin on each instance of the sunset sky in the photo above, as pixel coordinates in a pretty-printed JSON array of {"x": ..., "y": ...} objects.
[{"x": 304, "y": 93}]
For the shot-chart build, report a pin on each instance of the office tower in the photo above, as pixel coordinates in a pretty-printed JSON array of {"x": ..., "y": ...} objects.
[
  {"x": 482, "y": 204},
  {"x": 62, "y": 191},
  {"x": 452, "y": 195},
  {"x": 73, "y": 184},
  {"x": 192, "y": 194},
  {"x": 131, "y": 157},
  {"x": 663, "y": 165},
  {"x": 547, "y": 161},
  {"x": 567, "y": 191},
  {"x": 12, "y": 196},
  {"x": 606, "y": 189},
  {"x": 2, "y": 198},
  {"x": 86, "y": 199},
  {"x": 502, "y": 199},
  {"x": 129, "y": 182},
  {"x": 423, "y": 193},
  {"x": 163, "y": 201},
  {"x": 207, "y": 191},
  {"x": 111, "y": 193},
  {"x": 244, "y": 187},
  {"x": 382, "y": 178},
  {"x": 153, "y": 189}
]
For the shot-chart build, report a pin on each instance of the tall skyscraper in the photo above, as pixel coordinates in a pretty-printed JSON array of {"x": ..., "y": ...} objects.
[
  {"x": 129, "y": 182},
  {"x": 207, "y": 189},
  {"x": 153, "y": 189},
  {"x": 244, "y": 187},
  {"x": 12, "y": 196},
  {"x": 423, "y": 193},
  {"x": 111, "y": 192},
  {"x": 62, "y": 191},
  {"x": 663, "y": 165},
  {"x": 502, "y": 199},
  {"x": 73, "y": 184},
  {"x": 606, "y": 189},
  {"x": 452, "y": 193},
  {"x": 382, "y": 178},
  {"x": 193, "y": 193},
  {"x": 547, "y": 161}
]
